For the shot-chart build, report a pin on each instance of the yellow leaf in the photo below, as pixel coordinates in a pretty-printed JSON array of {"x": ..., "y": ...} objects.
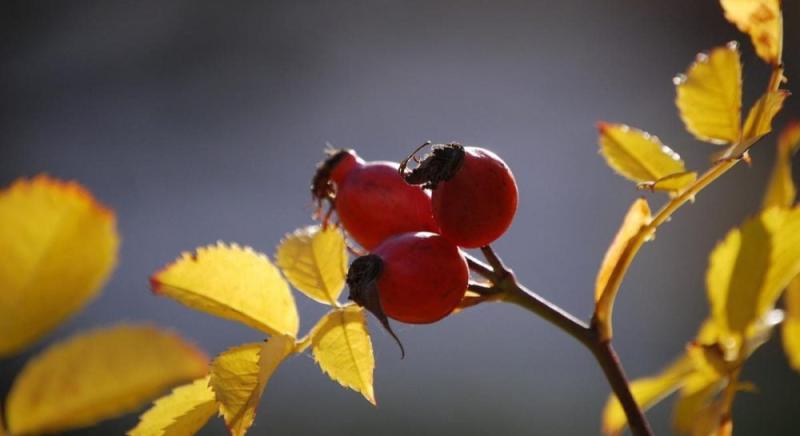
[
  {"x": 59, "y": 246},
  {"x": 239, "y": 376},
  {"x": 710, "y": 420},
  {"x": 759, "y": 120},
  {"x": 342, "y": 347},
  {"x": 98, "y": 375},
  {"x": 750, "y": 268},
  {"x": 183, "y": 412},
  {"x": 791, "y": 326},
  {"x": 647, "y": 392},
  {"x": 709, "y": 95},
  {"x": 617, "y": 256},
  {"x": 762, "y": 20},
  {"x": 781, "y": 191},
  {"x": 234, "y": 283},
  {"x": 637, "y": 155},
  {"x": 315, "y": 262},
  {"x": 694, "y": 402}
]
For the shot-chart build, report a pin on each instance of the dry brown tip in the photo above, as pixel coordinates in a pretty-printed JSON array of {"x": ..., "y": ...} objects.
[
  {"x": 322, "y": 188},
  {"x": 362, "y": 279},
  {"x": 441, "y": 164}
]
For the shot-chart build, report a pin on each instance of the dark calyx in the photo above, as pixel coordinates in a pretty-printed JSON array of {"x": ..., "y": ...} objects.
[
  {"x": 362, "y": 279},
  {"x": 441, "y": 164},
  {"x": 322, "y": 189}
]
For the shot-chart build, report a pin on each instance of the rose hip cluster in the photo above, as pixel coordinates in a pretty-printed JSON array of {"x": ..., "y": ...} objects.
[{"x": 413, "y": 221}]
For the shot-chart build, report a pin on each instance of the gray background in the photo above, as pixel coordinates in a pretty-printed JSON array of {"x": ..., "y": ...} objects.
[{"x": 199, "y": 121}]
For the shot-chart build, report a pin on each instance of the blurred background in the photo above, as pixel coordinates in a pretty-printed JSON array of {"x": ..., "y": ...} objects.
[{"x": 203, "y": 121}]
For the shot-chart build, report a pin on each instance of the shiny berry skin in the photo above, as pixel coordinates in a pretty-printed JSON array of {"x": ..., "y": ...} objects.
[
  {"x": 474, "y": 193},
  {"x": 371, "y": 199},
  {"x": 420, "y": 279}
]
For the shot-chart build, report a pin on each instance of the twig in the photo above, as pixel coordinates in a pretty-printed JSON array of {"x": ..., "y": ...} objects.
[
  {"x": 481, "y": 289},
  {"x": 513, "y": 292},
  {"x": 479, "y": 267}
]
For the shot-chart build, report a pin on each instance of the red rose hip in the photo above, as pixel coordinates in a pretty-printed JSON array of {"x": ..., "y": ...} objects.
[
  {"x": 417, "y": 278},
  {"x": 474, "y": 193},
  {"x": 371, "y": 198}
]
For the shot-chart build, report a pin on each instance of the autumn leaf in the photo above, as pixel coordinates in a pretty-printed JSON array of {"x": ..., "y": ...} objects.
[
  {"x": 763, "y": 21},
  {"x": 618, "y": 255},
  {"x": 182, "y": 412},
  {"x": 791, "y": 325},
  {"x": 759, "y": 120},
  {"x": 342, "y": 347},
  {"x": 640, "y": 156},
  {"x": 781, "y": 191},
  {"x": 750, "y": 268},
  {"x": 240, "y": 375},
  {"x": 314, "y": 260},
  {"x": 98, "y": 375},
  {"x": 709, "y": 95},
  {"x": 59, "y": 246},
  {"x": 695, "y": 404},
  {"x": 234, "y": 283},
  {"x": 696, "y": 377},
  {"x": 647, "y": 392}
]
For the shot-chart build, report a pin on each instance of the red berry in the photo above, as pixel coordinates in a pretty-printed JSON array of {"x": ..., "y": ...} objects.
[
  {"x": 474, "y": 193},
  {"x": 371, "y": 198},
  {"x": 419, "y": 277}
]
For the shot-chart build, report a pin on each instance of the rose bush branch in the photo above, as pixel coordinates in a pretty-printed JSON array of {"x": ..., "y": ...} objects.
[{"x": 511, "y": 291}]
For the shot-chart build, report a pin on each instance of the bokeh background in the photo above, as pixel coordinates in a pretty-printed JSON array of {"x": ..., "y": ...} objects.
[{"x": 202, "y": 121}]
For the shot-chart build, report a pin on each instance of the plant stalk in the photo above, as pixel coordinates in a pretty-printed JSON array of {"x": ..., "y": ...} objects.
[{"x": 587, "y": 335}]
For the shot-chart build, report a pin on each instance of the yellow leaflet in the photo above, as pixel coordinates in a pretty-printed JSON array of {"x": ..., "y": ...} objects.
[
  {"x": 239, "y": 376},
  {"x": 709, "y": 95},
  {"x": 781, "y": 191},
  {"x": 234, "y": 283},
  {"x": 759, "y": 120},
  {"x": 762, "y": 20},
  {"x": 342, "y": 347},
  {"x": 606, "y": 289},
  {"x": 648, "y": 392},
  {"x": 59, "y": 246},
  {"x": 98, "y": 375},
  {"x": 182, "y": 412},
  {"x": 637, "y": 155},
  {"x": 791, "y": 326},
  {"x": 784, "y": 225},
  {"x": 695, "y": 402},
  {"x": 750, "y": 268},
  {"x": 315, "y": 262},
  {"x": 708, "y": 419},
  {"x": 699, "y": 410}
]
